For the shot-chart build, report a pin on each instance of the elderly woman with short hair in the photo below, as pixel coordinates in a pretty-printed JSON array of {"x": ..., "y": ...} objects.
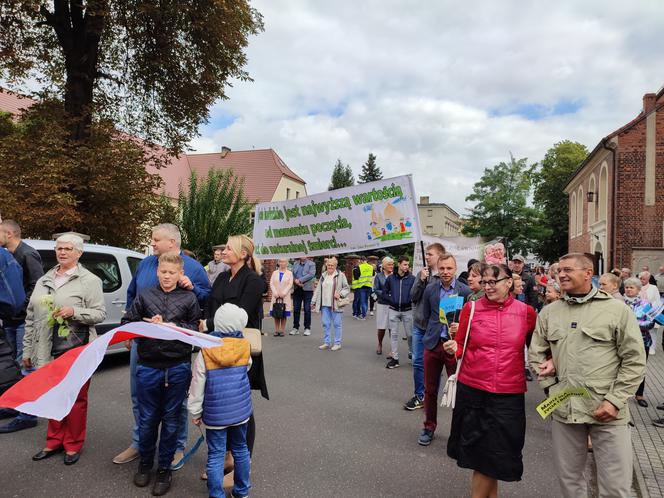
[
  {"x": 332, "y": 288},
  {"x": 71, "y": 294},
  {"x": 382, "y": 304},
  {"x": 635, "y": 301},
  {"x": 281, "y": 287}
]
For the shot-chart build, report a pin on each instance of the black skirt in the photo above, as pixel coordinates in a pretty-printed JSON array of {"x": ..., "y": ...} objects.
[{"x": 488, "y": 432}]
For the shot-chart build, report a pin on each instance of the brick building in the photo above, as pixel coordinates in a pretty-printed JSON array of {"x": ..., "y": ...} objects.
[{"x": 616, "y": 196}]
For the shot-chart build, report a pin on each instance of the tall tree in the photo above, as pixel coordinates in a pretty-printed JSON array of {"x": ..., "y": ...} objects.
[
  {"x": 370, "y": 170},
  {"x": 154, "y": 66},
  {"x": 502, "y": 208},
  {"x": 40, "y": 182},
  {"x": 342, "y": 176},
  {"x": 554, "y": 171},
  {"x": 212, "y": 209}
]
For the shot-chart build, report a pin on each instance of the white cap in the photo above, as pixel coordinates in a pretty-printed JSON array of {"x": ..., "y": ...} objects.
[{"x": 230, "y": 318}]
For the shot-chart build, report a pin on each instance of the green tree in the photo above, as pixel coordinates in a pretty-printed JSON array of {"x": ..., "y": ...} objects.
[
  {"x": 554, "y": 171},
  {"x": 370, "y": 171},
  {"x": 153, "y": 66},
  {"x": 502, "y": 208},
  {"x": 212, "y": 209},
  {"x": 342, "y": 176},
  {"x": 42, "y": 180}
]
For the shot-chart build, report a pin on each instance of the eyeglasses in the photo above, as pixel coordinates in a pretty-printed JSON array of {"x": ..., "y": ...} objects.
[
  {"x": 569, "y": 270},
  {"x": 491, "y": 283}
]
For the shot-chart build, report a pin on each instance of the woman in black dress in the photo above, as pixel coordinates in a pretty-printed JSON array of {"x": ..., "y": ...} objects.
[{"x": 243, "y": 286}]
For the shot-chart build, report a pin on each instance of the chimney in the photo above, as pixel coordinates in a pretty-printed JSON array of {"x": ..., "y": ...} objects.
[
  {"x": 649, "y": 101},
  {"x": 424, "y": 199},
  {"x": 224, "y": 151}
]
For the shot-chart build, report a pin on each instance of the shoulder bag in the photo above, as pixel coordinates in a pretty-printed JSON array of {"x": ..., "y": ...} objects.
[{"x": 449, "y": 391}]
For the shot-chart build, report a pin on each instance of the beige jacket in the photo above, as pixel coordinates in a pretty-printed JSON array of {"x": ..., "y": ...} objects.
[
  {"x": 83, "y": 292},
  {"x": 596, "y": 344},
  {"x": 282, "y": 289}
]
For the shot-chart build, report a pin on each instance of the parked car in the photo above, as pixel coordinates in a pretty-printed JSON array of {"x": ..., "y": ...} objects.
[{"x": 113, "y": 265}]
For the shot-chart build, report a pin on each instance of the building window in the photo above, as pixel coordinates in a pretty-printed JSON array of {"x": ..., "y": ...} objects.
[
  {"x": 572, "y": 216},
  {"x": 429, "y": 228},
  {"x": 429, "y": 213},
  {"x": 287, "y": 193},
  {"x": 603, "y": 191},
  {"x": 297, "y": 194},
  {"x": 579, "y": 212},
  {"x": 592, "y": 205}
]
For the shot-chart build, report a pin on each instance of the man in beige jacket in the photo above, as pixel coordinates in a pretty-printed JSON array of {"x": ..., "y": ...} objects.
[{"x": 595, "y": 343}]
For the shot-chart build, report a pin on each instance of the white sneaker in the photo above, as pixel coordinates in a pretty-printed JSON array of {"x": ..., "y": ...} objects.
[
  {"x": 324, "y": 346},
  {"x": 307, "y": 332},
  {"x": 294, "y": 332},
  {"x": 371, "y": 313},
  {"x": 336, "y": 347}
]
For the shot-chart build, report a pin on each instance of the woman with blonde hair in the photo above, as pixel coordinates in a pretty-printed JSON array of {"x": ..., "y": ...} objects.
[{"x": 281, "y": 285}]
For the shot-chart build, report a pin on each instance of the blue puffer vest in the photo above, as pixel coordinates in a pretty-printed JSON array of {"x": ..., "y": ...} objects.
[{"x": 227, "y": 392}]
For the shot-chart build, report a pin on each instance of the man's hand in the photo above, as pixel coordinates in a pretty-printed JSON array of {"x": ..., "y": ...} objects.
[
  {"x": 450, "y": 347},
  {"x": 196, "y": 421},
  {"x": 546, "y": 369},
  {"x": 202, "y": 326},
  {"x": 424, "y": 274},
  {"x": 453, "y": 329},
  {"x": 27, "y": 363},
  {"x": 185, "y": 283},
  {"x": 157, "y": 319},
  {"x": 606, "y": 412},
  {"x": 297, "y": 281},
  {"x": 64, "y": 312}
]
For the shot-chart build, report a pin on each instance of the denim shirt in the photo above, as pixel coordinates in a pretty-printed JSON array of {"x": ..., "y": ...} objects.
[{"x": 305, "y": 273}]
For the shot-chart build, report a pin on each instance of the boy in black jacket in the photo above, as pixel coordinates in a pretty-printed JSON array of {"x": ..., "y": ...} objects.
[{"x": 164, "y": 369}]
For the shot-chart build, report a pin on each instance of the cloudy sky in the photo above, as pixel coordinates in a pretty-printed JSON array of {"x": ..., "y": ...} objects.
[{"x": 439, "y": 89}]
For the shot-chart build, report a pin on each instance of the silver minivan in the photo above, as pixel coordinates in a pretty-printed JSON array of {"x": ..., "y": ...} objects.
[{"x": 113, "y": 265}]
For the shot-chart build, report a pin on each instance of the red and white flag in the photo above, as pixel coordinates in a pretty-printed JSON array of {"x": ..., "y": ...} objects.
[{"x": 51, "y": 391}]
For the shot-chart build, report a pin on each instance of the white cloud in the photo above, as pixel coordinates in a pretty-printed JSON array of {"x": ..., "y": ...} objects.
[{"x": 426, "y": 86}]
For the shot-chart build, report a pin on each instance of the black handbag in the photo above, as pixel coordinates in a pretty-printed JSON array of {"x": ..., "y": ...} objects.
[
  {"x": 79, "y": 334},
  {"x": 279, "y": 309}
]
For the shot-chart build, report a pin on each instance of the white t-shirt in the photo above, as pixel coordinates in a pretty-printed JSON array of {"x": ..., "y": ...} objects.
[{"x": 327, "y": 290}]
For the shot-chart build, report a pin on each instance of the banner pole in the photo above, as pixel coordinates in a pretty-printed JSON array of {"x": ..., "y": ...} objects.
[{"x": 424, "y": 259}]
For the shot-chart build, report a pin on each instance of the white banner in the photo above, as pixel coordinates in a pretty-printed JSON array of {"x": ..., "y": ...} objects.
[
  {"x": 463, "y": 249},
  {"x": 352, "y": 219}
]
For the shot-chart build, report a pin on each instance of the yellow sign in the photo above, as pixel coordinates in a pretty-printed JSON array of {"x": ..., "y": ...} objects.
[{"x": 546, "y": 407}]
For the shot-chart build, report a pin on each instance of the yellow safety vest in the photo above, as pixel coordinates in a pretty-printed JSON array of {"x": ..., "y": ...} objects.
[{"x": 366, "y": 275}]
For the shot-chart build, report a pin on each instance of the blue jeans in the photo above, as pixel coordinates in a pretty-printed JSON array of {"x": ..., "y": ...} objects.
[
  {"x": 364, "y": 293},
  {"x": 356, "y": 302},
  {"x": 14, "y": 336},
  {"x": 301, "y": 297},
  {"x": 418, "y": 360},
  {"x": 183, "y": 430},
  {"x": 160, "y": 393},
  {"x": 237, "y": 442},
  {"x": 331, "y": 318}
]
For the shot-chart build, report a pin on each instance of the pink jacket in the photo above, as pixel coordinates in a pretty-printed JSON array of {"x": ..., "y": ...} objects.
[
  {"x": 494, "y": 359},
  {"x": 282, "y": 289}
]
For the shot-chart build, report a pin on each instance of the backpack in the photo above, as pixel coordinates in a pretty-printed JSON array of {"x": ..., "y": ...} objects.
[{"x": 12, "y": 294}]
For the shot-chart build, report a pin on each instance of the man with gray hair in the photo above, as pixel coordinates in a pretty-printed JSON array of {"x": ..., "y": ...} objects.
[{"x": 165, "y": 238}]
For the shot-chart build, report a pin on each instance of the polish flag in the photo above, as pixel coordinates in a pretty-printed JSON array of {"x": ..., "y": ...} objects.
[{"x": 51, "y": 391}]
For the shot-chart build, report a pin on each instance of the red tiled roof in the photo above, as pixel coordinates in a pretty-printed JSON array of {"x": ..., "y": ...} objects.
[
  {"x": 14, "y": 103},
  {"x": 262, "y": 170}
]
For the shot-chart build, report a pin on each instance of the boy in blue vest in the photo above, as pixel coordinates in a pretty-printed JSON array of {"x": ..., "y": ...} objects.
[{"x": 220, "y": 397}]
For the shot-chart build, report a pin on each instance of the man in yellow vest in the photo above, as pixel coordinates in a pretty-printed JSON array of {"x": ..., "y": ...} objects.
[{"x": 363, "y": 275}]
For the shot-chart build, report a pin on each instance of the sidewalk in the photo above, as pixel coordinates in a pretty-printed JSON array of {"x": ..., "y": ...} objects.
[{"x": 648, "y": 440}]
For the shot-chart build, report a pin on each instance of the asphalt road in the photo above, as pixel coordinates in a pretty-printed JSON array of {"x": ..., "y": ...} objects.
[{"x": 334, "y": 427}]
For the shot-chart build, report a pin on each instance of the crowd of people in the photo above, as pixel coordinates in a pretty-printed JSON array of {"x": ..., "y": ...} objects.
[{"x": 491, "y": 328}]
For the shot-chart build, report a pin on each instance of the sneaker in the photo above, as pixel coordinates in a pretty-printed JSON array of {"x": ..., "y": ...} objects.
[
  {"x": 235, "y": 495},
  {"x": 17, "y": 425},
  {"x": 324, "y": 346},
  {"x": 371, "y": 313},
  {"x": 660, "y": 406},
  {"x": 307, "y": 332},
  {"x": 128, "y": 455},
  {"x": 529, "y": 376},
  {"x": 410, "y": 355},
  {"x": 294, "y": 332},
  {"x": 178, "y": 460},
  {"x": 425, "y": 437},
  {"x": 142, "y": 475},
  {"x": 162, "y": 482},
  {"x": 392, "y": 364},
  {"x": 658, "y": 422},
  {"x": 336, "y": 347},
  {"x": 414, "y": 403},
  {"x": 362, "y": 318}
]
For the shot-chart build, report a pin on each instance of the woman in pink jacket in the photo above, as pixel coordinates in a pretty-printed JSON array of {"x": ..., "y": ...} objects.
[
  {"x": 281, "y": 285},
  {"x": 489, "y": 418}
]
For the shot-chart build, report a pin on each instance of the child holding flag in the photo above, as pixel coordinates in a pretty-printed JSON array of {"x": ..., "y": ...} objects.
[
  {"x": 220, "y": 397},
  {"x": 164, "y": 369}
]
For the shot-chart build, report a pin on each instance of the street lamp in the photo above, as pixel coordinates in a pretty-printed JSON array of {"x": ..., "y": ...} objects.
[{"x": 591, "y": 196}]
